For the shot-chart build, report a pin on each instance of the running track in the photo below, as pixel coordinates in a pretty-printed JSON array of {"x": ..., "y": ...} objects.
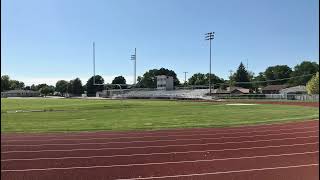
[{"x": 287, "y": 151}]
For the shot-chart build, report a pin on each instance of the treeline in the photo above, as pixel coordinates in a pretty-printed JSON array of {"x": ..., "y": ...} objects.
[
  {"x": 279, "y": 74},
  {"x": 62, "y": 87},
  {"x": 273, "y": 75}
]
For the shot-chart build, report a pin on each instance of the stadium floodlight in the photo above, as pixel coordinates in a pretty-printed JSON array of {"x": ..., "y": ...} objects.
[
  {"x": 134, "y": 58},
  {"x": 209, "y": 36}
]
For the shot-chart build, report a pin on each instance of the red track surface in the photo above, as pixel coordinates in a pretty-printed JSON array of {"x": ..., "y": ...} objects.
[{"x": 263, "y": 152}]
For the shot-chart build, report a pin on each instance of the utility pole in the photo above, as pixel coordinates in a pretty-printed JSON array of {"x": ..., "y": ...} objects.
[
  {"x": 134, "y": 58},
  {"x": 209, "y": 37},
  {"x": 185, "y": 78},
  {"x": 230, "y": 71},
  {"x": 94, "y": 64},
  {"x": 247, "y": 65}
]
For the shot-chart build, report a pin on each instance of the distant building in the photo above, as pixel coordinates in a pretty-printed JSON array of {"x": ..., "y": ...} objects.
[
  {"x": 273, "y": 89},
  {"x": 232, "y": 90},
  {"x": 164, "y": 82},
  {"x": 20, "y": 93},
  {"x": 238, "y": 90},
  {"x": 294, "y": 90}
]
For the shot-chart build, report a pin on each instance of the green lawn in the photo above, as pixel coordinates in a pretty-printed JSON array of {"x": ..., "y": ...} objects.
[{"x": 84, "y": 115}]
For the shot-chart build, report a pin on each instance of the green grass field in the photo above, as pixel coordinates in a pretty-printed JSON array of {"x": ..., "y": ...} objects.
[{"x": 90, "y": 115}]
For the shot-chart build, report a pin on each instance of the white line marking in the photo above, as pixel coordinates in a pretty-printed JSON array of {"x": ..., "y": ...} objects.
[
  {"x": 153, "y": 132},
  {"x": 142, "y": 137},
  {"x": 168, "y": 162},
  {"x": 225, "y": 172},
  {"x": 151, "y": 141},
  {"x": 151, "y": 154},
  {"x": 143, "y": 147}
]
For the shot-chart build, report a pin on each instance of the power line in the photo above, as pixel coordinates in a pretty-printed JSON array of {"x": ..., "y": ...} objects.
[{"x": 274, "y": 80}]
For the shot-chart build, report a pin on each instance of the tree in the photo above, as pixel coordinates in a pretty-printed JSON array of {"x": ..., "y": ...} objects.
[
  {"x": 33, "y": 88},
  {"x": 242, "y": 75},
  {"x": 278, "y": 72},
  {"x": 45, "y": 90},
  {"x": 197, "y": 79},
  {"x": 5, "y": 83},
  {"x": 215, "y": 80},
  {"x": 304, "y": 68},
  {"x": 92, "y": 89},
  {"x": 76, "y": 86},
  {"x": 61, "y": 86},
  {"x": 148, "y": 80},
  {"x": 39, "y": 86},
  {"x": 27, "y": 88},
  {"x": 14, "y": 84},
  {"x": 203, "y": 79},
  {"x": 51, "y": 89},
  {"x": 313, "y": 85},
  {"x": 258, "y": 78},
  {"x": 119, "y": 80}
]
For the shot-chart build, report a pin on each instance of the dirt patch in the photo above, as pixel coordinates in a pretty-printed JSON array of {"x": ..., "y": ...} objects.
[
  {"x": 296, "y": 103},
  {"x": 308, "y": 104}
]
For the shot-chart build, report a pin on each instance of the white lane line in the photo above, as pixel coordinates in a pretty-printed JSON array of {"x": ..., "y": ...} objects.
[
  {"x": 160, "y": 163},
  {"x": 168, "y": 153},
  {"x": 196, "y": 130},
  {"x": 223, "y": 172},
  {"x": 142, "y": 137},
  {"x": 152, "y": 141},
  {"x": 143, "y": 147}
]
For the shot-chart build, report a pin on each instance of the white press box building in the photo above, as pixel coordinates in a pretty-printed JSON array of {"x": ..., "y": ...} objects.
[{"x": 164, "y": 82}]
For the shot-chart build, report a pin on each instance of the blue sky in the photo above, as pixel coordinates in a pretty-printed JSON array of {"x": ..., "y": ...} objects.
[{"x": 47, "y": 40}]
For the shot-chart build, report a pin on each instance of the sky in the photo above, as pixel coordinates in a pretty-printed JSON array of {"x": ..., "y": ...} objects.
[{"x": 43, "y": 41}]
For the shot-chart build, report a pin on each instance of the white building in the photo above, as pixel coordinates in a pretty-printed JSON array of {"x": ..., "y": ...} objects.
[{"x": 164, "y": 82}]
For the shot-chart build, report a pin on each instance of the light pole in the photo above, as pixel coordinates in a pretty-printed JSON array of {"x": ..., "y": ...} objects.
[
  {"x": 134, "y": 58},
  {"x": 209, "y": 37},
  {"x": 185, "y": 78}
]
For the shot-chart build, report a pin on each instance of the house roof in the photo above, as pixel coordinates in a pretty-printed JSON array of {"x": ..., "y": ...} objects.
[
  {"x": 274, "y": 87},
  {"x": 220, "y": 91},
  {"x": 241, "y": 89},
  {"x": 294, "y": 89}
]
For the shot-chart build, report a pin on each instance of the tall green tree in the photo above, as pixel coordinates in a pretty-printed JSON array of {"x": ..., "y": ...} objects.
[
  {"x": 5, "y": 83},
  {"x": 203, "y": 79},
  {"x": 45, "y": 90},
  {"x": 215, "y": 80},
  {"x": 92, "y": 89},
  {"x": 14, "y": 84},
  {"x": 313, "y": 85},
  {"x": 242, "y": 75},
  {"x": 119, "y": 80},
  {"x": 33, "y": 87},
  {"x": 61, "y": 86},
  {"x": 278, "y": 72},
  {"x": 39, "y": 86},
  {"x": 76, "y": 86},
  {"x": 197, "y": 79},
  {"x": 304, "y": 68}
]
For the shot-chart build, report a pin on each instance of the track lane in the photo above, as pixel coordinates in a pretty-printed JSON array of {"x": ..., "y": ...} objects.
[
  {"x": 110, "y": 134},
  {"x": 297, "y": 172},
  {"x": 156, "y": 148},
  {"x": 70, "y": 142},
  {"x": 157, "y": 158},
  {"x": 168, "y": 169}
]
